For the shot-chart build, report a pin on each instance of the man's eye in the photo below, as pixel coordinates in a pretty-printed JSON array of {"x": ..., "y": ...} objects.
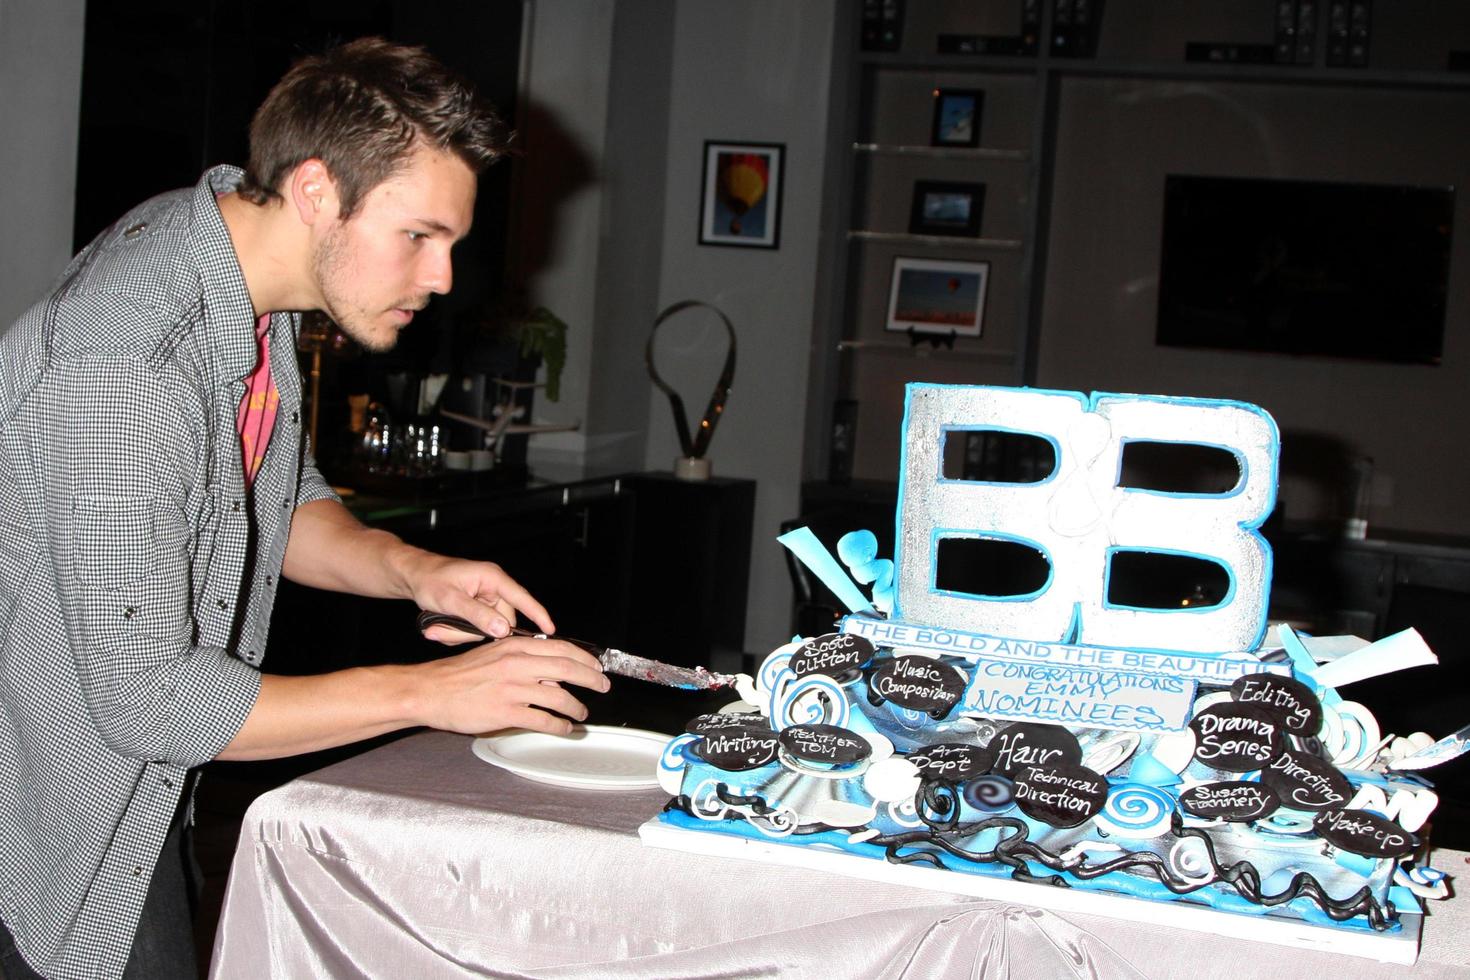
[{"x": 417, "y": 236}]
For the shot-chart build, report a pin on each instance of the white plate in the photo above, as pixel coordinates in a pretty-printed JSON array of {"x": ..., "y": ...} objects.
[{"x": 591, "y": 757}]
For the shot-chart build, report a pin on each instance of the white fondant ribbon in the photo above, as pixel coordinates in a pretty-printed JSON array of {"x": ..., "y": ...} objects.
[{"x": 1392, "y": 653}]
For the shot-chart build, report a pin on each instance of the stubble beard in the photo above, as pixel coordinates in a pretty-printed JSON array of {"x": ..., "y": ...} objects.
[{"x": 331, "y": 264}]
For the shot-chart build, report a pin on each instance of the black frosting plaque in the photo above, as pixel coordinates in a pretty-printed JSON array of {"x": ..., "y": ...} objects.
[
  {"x": 1305, "y": 782},
  {"x": 1286, "y": 699},
  {"x": 833, "y": 654},
  {"x": 917, "y": 683},
  {"x": 1236, "y": 737},
  {"x": 722, "y": 721},
  {"x": 1234, "y": 801},
  {"x": 952, "y": 762},
  {"x": 1060, "y": 795},
  {"x": 738, "y": 749},
  {"x": 1029, "y": 744},
  {"x": 1364, "y": 833},
  {"x": 830, "y": 744}
]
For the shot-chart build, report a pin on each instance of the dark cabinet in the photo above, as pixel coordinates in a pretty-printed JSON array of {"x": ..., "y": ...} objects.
[
  {"x": 690, "y": 566},
  {"x": 643, "y": 562}
]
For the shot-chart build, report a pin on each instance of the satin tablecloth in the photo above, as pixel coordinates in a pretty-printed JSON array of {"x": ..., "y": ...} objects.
[{"x": 418, "y": 860}]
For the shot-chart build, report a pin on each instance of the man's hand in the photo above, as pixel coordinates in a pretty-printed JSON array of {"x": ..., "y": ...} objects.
[
  {"x": 511, "y": 683},
  {"x": 330, "y": 549},
  {"x": 478, "y": 591}
]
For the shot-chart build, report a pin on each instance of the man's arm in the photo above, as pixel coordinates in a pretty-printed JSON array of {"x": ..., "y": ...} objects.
[
  {"x": 330, "y": 549},
  {"x": 514, "y": 682}
]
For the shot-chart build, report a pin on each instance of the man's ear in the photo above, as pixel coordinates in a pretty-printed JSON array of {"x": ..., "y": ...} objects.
[{"x": 311, "y": 190}]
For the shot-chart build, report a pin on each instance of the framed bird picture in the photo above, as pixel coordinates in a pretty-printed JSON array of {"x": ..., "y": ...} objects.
[{"x": 741, "y": 204}]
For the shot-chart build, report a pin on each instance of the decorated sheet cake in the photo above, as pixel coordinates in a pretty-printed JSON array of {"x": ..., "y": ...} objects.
[{"x": 1059, "y": 742}]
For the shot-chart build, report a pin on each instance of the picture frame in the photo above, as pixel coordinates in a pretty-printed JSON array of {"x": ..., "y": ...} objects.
[
  {"x": 937, "y": 296},
  {"x": 958, "y": 113},
  {"x": 942, "y": 207},
  {"x": 740, "y": 203}
]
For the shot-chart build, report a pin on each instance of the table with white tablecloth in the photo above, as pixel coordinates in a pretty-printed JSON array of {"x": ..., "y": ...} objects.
[{"x": 418, "y": 859}]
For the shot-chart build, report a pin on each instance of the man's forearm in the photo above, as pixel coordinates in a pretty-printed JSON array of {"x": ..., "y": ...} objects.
[
  {"x": 293, "y": 715},
  {"x": 331, "y": 549},
  {"x": 519, "y": 682}
]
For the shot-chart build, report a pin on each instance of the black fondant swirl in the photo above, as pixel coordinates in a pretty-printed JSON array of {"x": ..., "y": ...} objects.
[
  {"x": 1013, "y": 851},
  {"x": 944, "y": 829}
]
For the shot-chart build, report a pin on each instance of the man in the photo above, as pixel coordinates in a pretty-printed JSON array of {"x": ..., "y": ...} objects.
[{"x": 157, "y": 486}]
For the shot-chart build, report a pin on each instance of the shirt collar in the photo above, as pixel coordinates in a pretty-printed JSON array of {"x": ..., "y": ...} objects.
[{"x": 229, "y": 318}]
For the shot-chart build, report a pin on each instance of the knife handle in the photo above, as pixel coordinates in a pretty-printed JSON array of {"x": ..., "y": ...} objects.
[{"x": 428, "y": 618}]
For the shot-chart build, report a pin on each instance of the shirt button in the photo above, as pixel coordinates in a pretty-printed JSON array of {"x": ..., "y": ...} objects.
[
  {"x": 130, "y": 612},
  {"x": 168, "y": 784},
  {"x": 269, "y": 580},
  {"x": 136, "y": 230},
  {"x": 234, "y": 505},
  {"x": 295, "y": 418},
  {"x": 137, "y": 871},
  {"x": 249, "y": 654},
  {"x": 221, "y": 603},
  {"x": 286, "y": 504}
]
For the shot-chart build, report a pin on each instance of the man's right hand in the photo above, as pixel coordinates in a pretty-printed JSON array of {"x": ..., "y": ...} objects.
[{"x": 513, "y": 682}]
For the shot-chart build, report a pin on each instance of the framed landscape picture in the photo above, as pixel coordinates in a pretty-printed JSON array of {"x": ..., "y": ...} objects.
[
  {"x": 946, "y": 208},
  {"x": 741, "y": 202},
  {"x": 957, "y": 114},
  {"x": 937, "y": 296}
]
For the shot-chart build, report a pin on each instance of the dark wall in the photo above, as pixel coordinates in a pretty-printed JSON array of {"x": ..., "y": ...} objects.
[
  {"x": 169, "y": 87},
  {"x": 1118, "y": 138}
]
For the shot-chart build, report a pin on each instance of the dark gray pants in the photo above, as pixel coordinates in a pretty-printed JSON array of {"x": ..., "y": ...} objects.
[{"x": 163, "y": 947}]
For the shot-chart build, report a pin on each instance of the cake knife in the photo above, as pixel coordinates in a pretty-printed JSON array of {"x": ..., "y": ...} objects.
[
  {"x": 1452, "y": 746},
  {"x": 613, "y": 661}
]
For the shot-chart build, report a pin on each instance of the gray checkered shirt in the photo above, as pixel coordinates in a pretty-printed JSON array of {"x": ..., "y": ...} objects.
[{"x": 137, "y": 573}]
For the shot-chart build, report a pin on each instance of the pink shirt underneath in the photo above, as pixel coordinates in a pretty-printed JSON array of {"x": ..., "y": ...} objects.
[{"x": 258, "y": 408}]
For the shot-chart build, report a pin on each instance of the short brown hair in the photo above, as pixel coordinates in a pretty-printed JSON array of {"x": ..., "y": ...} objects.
[{"x": 361, "y": 108}]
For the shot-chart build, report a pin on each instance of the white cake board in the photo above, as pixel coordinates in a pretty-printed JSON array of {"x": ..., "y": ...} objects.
[{"x": 1400, "y": 947}]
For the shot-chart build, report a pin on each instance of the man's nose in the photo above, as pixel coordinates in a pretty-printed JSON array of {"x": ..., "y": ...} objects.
[{"x": 437, "y": 272}]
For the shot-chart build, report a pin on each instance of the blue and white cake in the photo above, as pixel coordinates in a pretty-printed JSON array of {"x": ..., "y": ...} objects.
[{"x": 1168, "y": 754}]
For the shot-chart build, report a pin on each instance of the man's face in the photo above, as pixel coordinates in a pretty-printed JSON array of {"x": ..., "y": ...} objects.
[{"x": 380, "y": 265}]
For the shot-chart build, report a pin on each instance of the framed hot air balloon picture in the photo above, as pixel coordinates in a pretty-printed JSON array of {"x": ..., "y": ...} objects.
[
  {"x": 742, "y": 194},
  {"x": 937, "y": 297}
]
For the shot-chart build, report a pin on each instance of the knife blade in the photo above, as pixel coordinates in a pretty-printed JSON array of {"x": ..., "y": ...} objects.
[
  {"x": 613, "y": 661},
  {"x": 1452, "y": 746}
]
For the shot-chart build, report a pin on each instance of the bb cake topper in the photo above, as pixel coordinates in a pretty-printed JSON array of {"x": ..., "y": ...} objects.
[{"x": 1078, "y": 517}]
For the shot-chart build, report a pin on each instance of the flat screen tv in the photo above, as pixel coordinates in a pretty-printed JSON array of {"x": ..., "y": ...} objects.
[{"x": 1305, "y": 267}]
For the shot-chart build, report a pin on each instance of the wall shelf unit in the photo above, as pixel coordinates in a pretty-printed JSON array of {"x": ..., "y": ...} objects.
[
  {"x": 882, "y": 137},
  {"x": 938, "y": 241},
  {"x": 942, "y": 152}
]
